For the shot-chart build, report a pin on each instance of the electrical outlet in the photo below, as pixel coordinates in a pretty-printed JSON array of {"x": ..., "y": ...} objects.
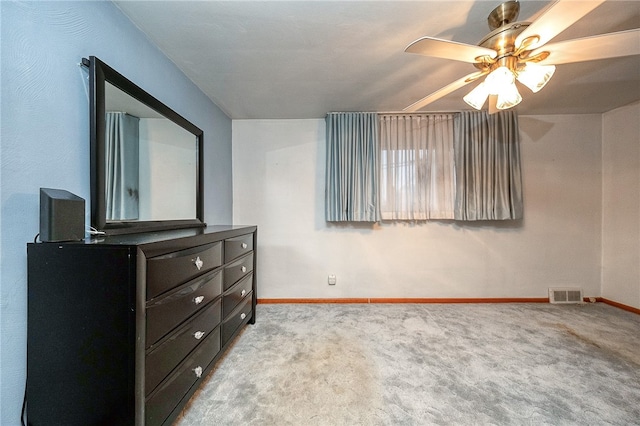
[{"x": 332, "y": 280}]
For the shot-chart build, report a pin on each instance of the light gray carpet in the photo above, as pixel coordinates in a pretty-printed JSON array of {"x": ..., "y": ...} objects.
[{"x": 407, "y": 364}]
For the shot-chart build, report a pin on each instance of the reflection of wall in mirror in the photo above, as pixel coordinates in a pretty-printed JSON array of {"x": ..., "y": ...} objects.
[{"x": 167, "y": 171}]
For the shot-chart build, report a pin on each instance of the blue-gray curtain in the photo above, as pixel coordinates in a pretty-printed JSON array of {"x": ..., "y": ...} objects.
[
  {"x": 122, "y": 165},
  {"x": 352, "y": 171},
  {"x": 488, "y": 172}
]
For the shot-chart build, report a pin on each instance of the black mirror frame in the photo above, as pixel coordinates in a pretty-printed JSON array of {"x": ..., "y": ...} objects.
[{"x": 99, "y": 73}]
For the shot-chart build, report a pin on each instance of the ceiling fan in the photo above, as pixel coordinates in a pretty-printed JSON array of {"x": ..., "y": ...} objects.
[{"x": 518, "y": 51}]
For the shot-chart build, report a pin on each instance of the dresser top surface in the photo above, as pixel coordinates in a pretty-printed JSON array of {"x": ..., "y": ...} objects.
[{"x": 158, "y": 238}]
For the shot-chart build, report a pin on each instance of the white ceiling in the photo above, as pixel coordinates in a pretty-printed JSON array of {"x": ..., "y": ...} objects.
[{"x": 302, "y": 59}]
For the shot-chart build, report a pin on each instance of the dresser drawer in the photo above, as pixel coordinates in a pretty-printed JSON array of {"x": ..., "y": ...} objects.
[
  {"x": 236, "y": 270},
  {"x": 235, "y": 294},
  {"x": 164, "y": 358},
  {"x": 168, "y": 271},
  {"x": 239, "y": 317},
  {"x": 173, "y": 389},
  {"x": 169, "y": 311},
  {"x": 238, "y": 246}
]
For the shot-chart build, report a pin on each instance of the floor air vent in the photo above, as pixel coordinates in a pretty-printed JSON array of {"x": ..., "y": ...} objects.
[{"x": 565, "y": 295}]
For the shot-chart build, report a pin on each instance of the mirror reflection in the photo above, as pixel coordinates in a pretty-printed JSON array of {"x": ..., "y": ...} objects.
[{"x": 150, "y": 163}]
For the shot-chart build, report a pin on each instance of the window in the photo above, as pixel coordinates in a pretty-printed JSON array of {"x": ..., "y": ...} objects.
[{"x": 462, "y": 166}]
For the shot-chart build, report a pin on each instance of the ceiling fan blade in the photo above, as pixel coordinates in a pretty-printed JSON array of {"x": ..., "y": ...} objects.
[
  {"x": 438, "y": 48},
  {"x": 444, "y": 91},
  {"x": 622, "y": 43},
  {"x": 555, "y": 19},
  {"x": 493, "y": 102}
]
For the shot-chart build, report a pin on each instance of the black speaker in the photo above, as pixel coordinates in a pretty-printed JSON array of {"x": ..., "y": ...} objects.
[{"x": 61, "y": 215}]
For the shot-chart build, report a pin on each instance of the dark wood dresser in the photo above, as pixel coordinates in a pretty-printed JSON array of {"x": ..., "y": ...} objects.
[{"x": 122, "y": 330}]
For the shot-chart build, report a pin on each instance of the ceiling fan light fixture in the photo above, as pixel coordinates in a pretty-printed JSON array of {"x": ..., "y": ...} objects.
[
  {"x": 535, "y": 76},
  {"x": 518, "y": 50},
  {"x": 478, "y": 96},
  {"x": 498, "y": 79},
  {"x": 508, "y": 97}
]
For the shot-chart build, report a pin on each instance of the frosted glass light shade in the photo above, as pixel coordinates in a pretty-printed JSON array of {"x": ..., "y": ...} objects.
[
  {"x": 478, "y": 96},
  {"x": 508, "y": 97},
  {"x": 535, "y": 76},
  {"x": 498, "y": 79}
]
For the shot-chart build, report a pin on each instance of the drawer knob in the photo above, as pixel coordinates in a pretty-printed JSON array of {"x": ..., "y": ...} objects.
[
  {"x": 198, "y": 371},
  {"x": 244, "y": 245},
  {"x": 243, "y": 292},
  {"x": 198, "y": 334},
  {"x": 198, "y": 262},
  {"x": 198, "y": 300},
  {"x": 243, "y": 269},
  {"x": 243, "y": 315}
]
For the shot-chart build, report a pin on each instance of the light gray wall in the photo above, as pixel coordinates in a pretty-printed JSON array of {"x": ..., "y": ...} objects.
[
  {"x": 167, "y": 166},
  {"x": 621, "y": 206},
  {"x": 45, "y": 137},
  {"x": 278, "y": 174}
]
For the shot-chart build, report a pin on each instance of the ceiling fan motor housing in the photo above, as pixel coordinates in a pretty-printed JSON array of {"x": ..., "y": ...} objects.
[
  {"x": 503, "y": 41},
  {"x": 502, "y": 38}
]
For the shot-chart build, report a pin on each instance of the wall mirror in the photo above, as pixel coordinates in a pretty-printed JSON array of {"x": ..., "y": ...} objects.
[{"x": 146, "y": 159}]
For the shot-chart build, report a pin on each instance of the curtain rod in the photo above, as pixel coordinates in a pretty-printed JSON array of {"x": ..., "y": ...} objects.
[
  {"x": 416, "y": 112},
  {"x": 396, "y": 112}
]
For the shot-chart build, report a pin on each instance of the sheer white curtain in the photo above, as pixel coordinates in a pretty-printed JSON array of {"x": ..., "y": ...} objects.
[{"x": 417, "y": 179}]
